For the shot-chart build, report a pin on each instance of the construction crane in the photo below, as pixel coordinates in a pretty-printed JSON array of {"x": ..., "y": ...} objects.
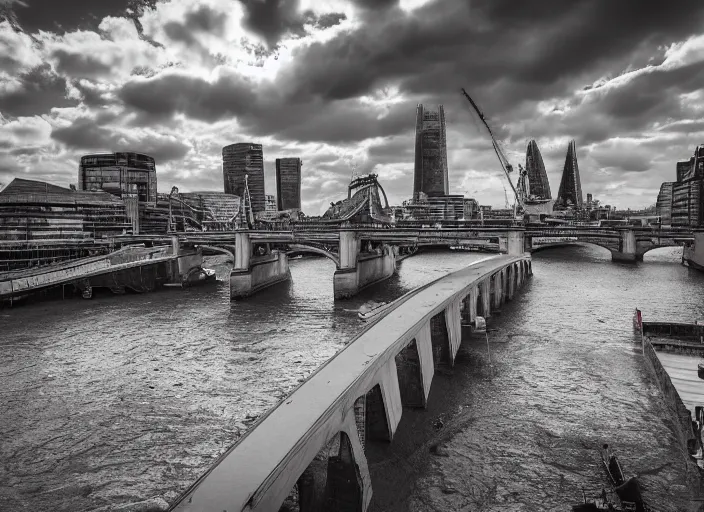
[{"x": 505, "y": 164}]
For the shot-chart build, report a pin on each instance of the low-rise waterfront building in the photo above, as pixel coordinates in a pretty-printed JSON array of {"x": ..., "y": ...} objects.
[{"x": 41, "y": 223}]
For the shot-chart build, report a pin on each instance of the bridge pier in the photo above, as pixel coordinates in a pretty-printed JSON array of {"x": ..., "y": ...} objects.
[
  {"x": 415, "y": 369},
  {"x": 356, "y": 271},
  {"x": 693, "y": 253},
  {"x": 626, "y": 247},
  {"x": 251, "y": 273}
]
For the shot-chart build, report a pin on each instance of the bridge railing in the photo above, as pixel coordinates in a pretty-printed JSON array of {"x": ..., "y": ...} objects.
[{"x": 357, "y": 397}]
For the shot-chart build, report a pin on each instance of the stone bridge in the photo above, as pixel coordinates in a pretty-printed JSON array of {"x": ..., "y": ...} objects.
[
  {"x": 625, "y": 244},
  {"x": 311, "y": 446},
  {"x": 363, "y": 254}
]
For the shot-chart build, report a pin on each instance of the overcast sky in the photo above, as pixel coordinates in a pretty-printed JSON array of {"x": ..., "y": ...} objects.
[{"x": 336, "y": 82}]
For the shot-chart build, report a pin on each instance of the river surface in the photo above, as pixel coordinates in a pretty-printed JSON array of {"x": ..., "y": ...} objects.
[{"x": 121, "y": 402}]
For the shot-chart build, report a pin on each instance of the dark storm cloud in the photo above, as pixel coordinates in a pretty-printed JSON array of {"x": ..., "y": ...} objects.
[
  {"x": 330, "y": 19},
  {"x": 87, "y": 134},
  {"x": 203, "y": 19},
  {"x": 84, "y": 133},
  {"x": 631, "y": 107},
  {"x": 337, "y": 122},
  {"x": 79, "y": 65},
  {"x": 206, "y": 19},
  {"x": 375, "y": 5},
  {"x": 91, "y": 95},
  {"x": 531, "y": 49},
  {"x": 271, "y": 19},
  {"x": 165, "y": 95},
  {"x": 40, "y": 90},
  {"x": 64, "y": 16}
]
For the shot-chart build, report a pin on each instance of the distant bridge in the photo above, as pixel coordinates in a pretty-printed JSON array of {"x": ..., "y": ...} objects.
[{"x": 625, "y": 244}]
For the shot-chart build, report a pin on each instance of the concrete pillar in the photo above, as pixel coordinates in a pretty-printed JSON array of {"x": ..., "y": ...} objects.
[
  {"x": 243, "y": 251},
  {"x": 383, "y": 406},
  {"x": 515, "y": 243},
  {"x": 454, "y": 328},
  {"x": 626, "y": 246},
  {"x": 349, "y": 249},
  {"x": 486, "y": 297},
  {"x": 357, "y": 272},
  {"x": 473, "y": 294},
  {"x": 348, "y": 485},
  {"x": 410, "y": 376},
  {"x": 497, "y": 296},
  {"x": 440, "y": 340},
  {"x": 511, "y": 271}
]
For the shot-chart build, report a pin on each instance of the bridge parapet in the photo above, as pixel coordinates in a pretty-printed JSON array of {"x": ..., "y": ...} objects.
[{"x": 314, "y": 440}]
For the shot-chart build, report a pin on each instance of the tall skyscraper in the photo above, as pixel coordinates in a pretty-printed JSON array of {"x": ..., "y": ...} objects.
[
  {"x": 570, "y": 192},
  {"x": 288, "y": 183},
  {"x": 430, "y": 172},
  {"x": 538, "y": 184},
  {"x": 238, "y": 160}
]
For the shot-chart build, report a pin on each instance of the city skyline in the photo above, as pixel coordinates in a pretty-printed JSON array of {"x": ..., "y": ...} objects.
[{"x": 179, "y": 80}]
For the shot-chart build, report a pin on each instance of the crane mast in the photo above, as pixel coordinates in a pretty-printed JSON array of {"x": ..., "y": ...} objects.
[{"x": 505, "y": 164}]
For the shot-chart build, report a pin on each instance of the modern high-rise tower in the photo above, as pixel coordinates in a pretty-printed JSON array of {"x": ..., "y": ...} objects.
[
  {"x": 538, "y": 184},
  {"x": 570, "y": 192},
  {"x": 238, "y": 160},
  {"x": 430, "y": 172},
  {"x": 288, "y": 183}
]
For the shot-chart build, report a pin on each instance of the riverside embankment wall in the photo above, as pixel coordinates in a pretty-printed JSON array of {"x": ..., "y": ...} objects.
[{"x": 682, "y": 415}]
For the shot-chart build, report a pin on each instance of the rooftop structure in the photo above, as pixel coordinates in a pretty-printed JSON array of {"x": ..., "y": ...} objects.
[
  {"x": 430, "y": 174},
  {"x": 538, "y": 184},
  {"x": 121, "y": 174},
  {"x": 238, "y": 160},
  {"x": 288, "y": 183},
  {"x": 363, "y": 203},
  {"x": 570, "y": 192}
]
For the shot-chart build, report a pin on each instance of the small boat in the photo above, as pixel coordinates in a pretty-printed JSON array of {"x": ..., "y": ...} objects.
[
  {"x": 196, "y": 276},
  {"x": 601, "y": 504},
  {"x": 372, "y": 309},
  {"x": 627, "y": 490}
]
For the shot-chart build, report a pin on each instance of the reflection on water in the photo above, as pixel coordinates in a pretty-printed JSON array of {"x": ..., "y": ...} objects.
[{"x": 121, "y": 399}]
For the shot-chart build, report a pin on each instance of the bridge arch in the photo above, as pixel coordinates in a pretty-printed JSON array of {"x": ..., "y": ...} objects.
[
  {"x": 315, "y": 250},
  {"x": 230, "y": 255},
  {"x": 640, "y": 254},
  {"x": 568, "y": 243}
]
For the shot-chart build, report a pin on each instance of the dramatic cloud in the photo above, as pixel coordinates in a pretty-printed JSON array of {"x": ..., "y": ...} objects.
[
  {"x": 337, "y": 82},
  {"x": 88, "y": 134}
]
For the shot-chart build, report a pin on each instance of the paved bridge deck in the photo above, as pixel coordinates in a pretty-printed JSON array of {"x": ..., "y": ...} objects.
[
  {"x": 20, "y": 282},
  {"x": 245, "y": 473}
]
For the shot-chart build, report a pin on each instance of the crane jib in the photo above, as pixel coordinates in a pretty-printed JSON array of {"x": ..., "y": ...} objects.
[{"x": 506, "y": 166}]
